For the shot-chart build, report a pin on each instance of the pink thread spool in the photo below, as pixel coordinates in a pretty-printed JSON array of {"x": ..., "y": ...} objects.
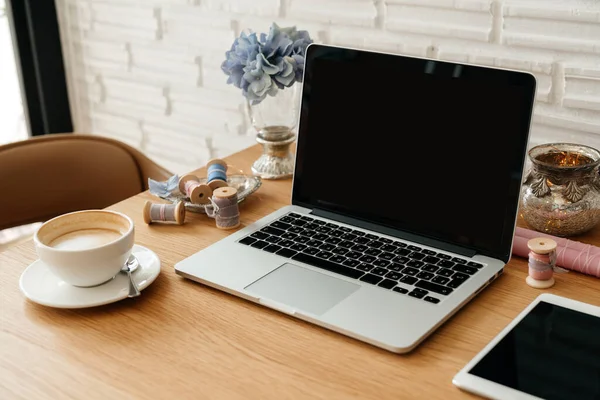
[
  {"x": 198, "y": 193},
  {"x": 165, "y": 213},
  {"x": 225, "y": 208},
  {"x": 542, "y": 261}
]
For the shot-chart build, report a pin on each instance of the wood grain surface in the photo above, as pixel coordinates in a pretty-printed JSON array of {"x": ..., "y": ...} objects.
[{"x": 182, "y": 340}]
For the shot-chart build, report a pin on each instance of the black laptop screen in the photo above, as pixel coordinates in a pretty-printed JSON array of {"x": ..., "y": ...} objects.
[{"x": 431, "y": 148}]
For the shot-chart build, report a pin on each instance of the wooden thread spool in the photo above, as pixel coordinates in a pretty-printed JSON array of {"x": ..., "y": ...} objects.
[
  {"x": 216, "y": 171},
  {"x": 198, "y": 193},
  {"x": 164, "y": 213},
  {"x": 542, "y": 261},
  {"x": 225, "y": 209}
]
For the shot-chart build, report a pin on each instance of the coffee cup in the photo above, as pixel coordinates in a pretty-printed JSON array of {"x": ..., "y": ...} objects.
[{"x": 85, "y": 248}]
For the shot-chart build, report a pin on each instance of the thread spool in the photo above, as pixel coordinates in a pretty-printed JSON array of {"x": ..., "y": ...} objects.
[
  {"x": 164, "y": 213},
  {"x": 542, "y": 261},
  {"x": 216, "y": 170},
  {"x": 198, "y": 193},
  {"x": 225, "y": 209}
]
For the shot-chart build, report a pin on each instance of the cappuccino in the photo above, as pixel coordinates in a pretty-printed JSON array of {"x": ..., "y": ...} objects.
[{"x": 85, "y": 239}]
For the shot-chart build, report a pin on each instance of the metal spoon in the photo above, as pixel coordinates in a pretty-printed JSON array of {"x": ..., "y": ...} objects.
[{"x": 130, "y": 266}]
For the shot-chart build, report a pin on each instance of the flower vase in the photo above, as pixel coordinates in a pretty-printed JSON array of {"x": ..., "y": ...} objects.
[{"x": 275, "y": 119}]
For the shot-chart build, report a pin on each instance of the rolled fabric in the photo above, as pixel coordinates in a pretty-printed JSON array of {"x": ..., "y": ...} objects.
[
  {"x": 571, "y": 244},
  {"x": 586, "y": 261}
]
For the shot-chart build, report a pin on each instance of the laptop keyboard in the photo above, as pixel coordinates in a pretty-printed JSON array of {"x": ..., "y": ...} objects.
[{"x": 389, "y": 264}]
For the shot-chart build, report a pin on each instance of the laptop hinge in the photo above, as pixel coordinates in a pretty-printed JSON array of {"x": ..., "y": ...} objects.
[{"x": 463, "y": 251}]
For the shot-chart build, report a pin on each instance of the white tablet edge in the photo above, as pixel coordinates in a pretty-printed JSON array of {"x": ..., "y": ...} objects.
[{"x": 483, "y": 387}]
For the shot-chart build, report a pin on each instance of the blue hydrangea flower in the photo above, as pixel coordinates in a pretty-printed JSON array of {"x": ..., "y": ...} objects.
[{"x": 261, "y": 67}]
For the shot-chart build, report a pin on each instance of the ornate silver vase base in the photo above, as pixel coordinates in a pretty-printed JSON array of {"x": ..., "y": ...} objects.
[{"x": 277, "y": 161}]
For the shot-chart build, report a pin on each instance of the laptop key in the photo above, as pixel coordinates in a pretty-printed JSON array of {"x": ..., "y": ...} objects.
[
  {"x": 286, "y": 242},
  {"x": 388, "y": 247},
  {"x": 387, "y": 256},
  {"x": 431, "y": 299},
  {"x": 358, "y": 233},
  {"x": 328, "y": 265},
  {"x": 337, "y": 234},
  {"x": 345, "y": 229},
  {"x": 415, "y": 264},
  {"x": 442, "y": 280},
  {"x": 402, "y": 252},
  {"x": 393, "y": 275},
  {"x": 296, "y": 229},
  {"x": 327, "y": 247},
  {"x": 324, "y": 254},
  {"x": 302, "y": 239},
  {"x": 272, "y": 231},
  {"x": 287, "y": 219},
  {"x": 401, "y": 260},
  {"x": 399, "y": 244},
  {"x": 416, "y": 255},
  {"x": 320, "y": 236},
  {"x": 461, "y": 276},
  {"x": 333, "y": 226},
  {"x": 351, "y": 263},
  {"x": 298, "y": 247},
  {"x": 299, "y": 222},
  {"x": 474, "y": 264},
  {"x": 272, "y": 248},
  {"x": 395, "y": 267},
  {"x": 346, "y": 243},
  {"x": 375, "y": 244},
  {"x": 248, "y": 240},
  {"x": 323, "y": 229},
  {"x": 364, "y": 267},
  {"x": 260, "y": 235},
  {"x": 273, "y": 239},
  {"x": 379, "y": 271},
  {"x": 372, "y": 279},
  {"x": 259, "y": 244},
  {"x": 361, "y": 240},
  {"x": 414, "y": 248},
  {"x": 417, "y": 293},
  {"x": 371, "y": 236},
  {"x": 428, "y": 252},
  {"x": 381, "y": 263},
  {"x": 425, "y": 275},
  {"x": 319, "y": 222},
  {"x": 373, "y": 252},
  {"x": 289, "y": 235},
  {"x": 465, "y": 269},
  {"x": 348, "y": 236},
  {"x": 434, "y": 287},
  {"x": 281, "y": 225},
  {"x": 286, "y": 253},
  {"x": 340, "y": 250},
  {"x": 359, "y": 247},
  {"x": 410, "y": 271},
  {"x": 367, "y": 259},
  {"x": 311, "y": 226},
  {"x": 337, "y": 259},
  {"x": 409, "y": 280},
  {"x": 429, "y": 268},
  {"x": 445, "y": 272},
  {"x": 311, "y": 250},
  {"x": 333, "y": 240},
  {"x": 305, "y": 218},
  {"x": 444, "y": 256},
  {"x": 400, "y": 289},
  {"x": 385, "y": 240},
  {"x": 353, "y": 254},
  {"x": 431, "y": 260},
  {"x": 294, "y": 215},
  {"x": 387, "y": 283},
  {"x": 459, "y": 260}
]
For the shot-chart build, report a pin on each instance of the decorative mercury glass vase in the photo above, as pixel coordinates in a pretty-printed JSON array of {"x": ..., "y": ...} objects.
[
  {"x": 561, "y": 193},
  {"x": 275, "y": 119}
]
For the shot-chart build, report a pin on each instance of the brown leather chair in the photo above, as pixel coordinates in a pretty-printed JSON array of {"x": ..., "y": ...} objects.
[{"x": 49, "y": 175}]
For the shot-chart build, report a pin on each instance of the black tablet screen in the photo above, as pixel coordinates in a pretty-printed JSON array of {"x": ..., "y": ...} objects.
[{"x": 552, "y": 353}]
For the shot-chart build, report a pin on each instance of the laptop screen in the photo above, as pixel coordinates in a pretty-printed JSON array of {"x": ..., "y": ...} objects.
[{"x": 432, "y": 148}]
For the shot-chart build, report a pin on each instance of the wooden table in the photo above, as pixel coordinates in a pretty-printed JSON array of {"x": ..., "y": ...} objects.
[{"x": 182, "y": 340}]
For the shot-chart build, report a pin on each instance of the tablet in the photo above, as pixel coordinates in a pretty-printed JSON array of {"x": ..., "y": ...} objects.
[{"x": 551, "y": 350}]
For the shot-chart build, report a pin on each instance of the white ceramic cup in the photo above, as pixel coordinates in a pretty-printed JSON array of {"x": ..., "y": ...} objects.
[{"x": 85, "y": 248}]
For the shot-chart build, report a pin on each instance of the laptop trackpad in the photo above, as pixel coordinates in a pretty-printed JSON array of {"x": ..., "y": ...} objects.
[{"x": 302, "y": 289}]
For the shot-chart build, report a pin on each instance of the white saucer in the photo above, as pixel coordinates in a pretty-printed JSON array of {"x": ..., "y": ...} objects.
[{"x": 41, "y": 286}]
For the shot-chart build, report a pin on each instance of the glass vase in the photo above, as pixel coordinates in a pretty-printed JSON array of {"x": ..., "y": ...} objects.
[
  {"x": 275, "y": 119},
  {"x": 561, "y": 193}
]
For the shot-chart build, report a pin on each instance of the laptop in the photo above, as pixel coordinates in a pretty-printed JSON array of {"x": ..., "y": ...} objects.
[{"x": 404, "y": 197}]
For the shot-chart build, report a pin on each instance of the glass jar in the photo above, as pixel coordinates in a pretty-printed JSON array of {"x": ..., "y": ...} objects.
[
  {"x": 274, "y": 120},
  {"x": 561, "y": 192}
]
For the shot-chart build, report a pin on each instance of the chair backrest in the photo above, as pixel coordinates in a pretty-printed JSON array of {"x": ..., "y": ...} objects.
[{"x": 49, "y": 175}]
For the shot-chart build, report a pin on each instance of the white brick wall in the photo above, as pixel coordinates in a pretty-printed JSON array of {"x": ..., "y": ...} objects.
[{"x": 148, "y": 71}]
